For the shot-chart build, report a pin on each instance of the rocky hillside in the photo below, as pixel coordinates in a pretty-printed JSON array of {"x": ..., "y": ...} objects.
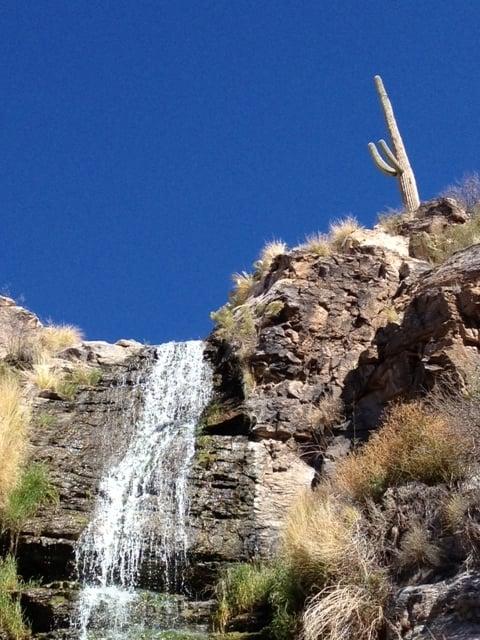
[
  {"x": 308, "y": 355},
  {"x": 317, "y": 350}
]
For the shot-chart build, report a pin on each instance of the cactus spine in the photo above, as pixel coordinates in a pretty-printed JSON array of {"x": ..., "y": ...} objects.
[{"x": 394, "y": 163}]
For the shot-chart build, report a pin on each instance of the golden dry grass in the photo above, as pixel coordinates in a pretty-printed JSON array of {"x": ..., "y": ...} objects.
[
  {"x": 328, "y": 552},
  {"x": 318, "y": 536},
  {"x": 340, "y": 230},
  {"x": 14, "y": 421},
  {"x": 414, "y": 443},
  {"x": 243, "y": 287},
  {"x": 54, "y": 338},
  {"x": 268, "y": 254},
  {"x": 318, "y": 244},
  {"x": 348, "y": 610},
  {"x": 44, "y": 376}
]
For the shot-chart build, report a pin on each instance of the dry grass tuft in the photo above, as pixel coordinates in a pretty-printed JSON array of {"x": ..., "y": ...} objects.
[
  {"x": 243, "y": 287},
  {"x": 348, "y": 610},
  {"x": 417, "y": 550},
  {"x": 454, "y": 510},
  {"x": 55, "y": 338},
  {"x": 318, "y": 244},
  {"x": 44, "y": 376},
  {"x": 268, "y": 254},
  {"x": 414, "y": 443},
  {"x": 341, "y": 230},
  {"x": 14, "y": 421},
  {"x": 391, "y": 220},
  {"x": 318, "y": 536}
]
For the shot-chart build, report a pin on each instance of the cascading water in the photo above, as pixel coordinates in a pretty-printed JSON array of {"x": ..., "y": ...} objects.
[{"x": 142, "y": 507}]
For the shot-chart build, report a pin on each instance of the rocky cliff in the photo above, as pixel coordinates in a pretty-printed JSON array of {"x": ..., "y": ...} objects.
[{"x": 320, "y": 346}]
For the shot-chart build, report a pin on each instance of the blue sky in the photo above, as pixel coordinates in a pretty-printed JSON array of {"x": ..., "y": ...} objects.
[{"x": 149, "y": 149}]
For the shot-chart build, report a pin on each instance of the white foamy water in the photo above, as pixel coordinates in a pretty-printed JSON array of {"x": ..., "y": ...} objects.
[{"x": 142, "y": 507}]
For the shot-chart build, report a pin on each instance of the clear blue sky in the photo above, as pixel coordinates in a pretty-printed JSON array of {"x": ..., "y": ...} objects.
[{"x": 148, "y": 149}]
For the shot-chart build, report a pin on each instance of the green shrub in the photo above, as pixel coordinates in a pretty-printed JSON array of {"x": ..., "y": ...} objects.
[
  {"x": 33, "y": 491},
  {"x": 256, "y": 586},
  {"x": 243, "y": 587},
  {"x": 11, "y": 620}
]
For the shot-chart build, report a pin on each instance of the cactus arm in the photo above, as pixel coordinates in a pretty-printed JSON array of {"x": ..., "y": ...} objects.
[
  {"x": 390, "y": 156},
  {"x": 380, "y": 162}
]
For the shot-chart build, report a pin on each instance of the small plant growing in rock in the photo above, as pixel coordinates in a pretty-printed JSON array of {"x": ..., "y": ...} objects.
[
  {"x": 318, "y": 244},
  {"x": 417, "y": 550},
  {"x": 45, "y": 420},
  {"x": 341, "y": 230},
  {"x": 391, "y": 220},
  {"x": 273, "y": 309},
  {"x": 12, "y": 625},
  {"x": 84, "y": 375},
  {"x": 32, "y": 491},
  {"x": 212, "y": 414},
  {"x": 268, "y": 254},
  {"x": 243, "y": 286},
  {"x": 44, "y": 376},
  {"x": 255, "y": 587}
]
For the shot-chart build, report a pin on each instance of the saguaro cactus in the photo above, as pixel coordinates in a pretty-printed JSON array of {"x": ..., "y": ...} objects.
[{"x": 394, "y": 163}]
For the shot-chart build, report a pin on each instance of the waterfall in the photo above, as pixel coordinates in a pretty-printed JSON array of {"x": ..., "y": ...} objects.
[{"x": 142, "y": 506}]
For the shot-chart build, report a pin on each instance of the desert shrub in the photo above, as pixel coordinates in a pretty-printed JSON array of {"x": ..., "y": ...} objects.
[
  {"x": 11, "y": 621},
  {"x": 341, "y": 230},
  {"x": 466, "y": 191},
  {"x": 33, "y": 490},
  {"x": 417, "y": 549},
  {"x": 237, "y": 327},
  {"x": 56, "y": 337},
  {"x": 268, "y": 254},
  {"x": 14, "y": 422},
  {"x": 414, "y": 443},
  {"x": 328, "y": 412},
  {"x": 318, "y": 244}
]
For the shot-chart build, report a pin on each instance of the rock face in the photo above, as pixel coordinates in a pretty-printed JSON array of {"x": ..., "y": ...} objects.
[{"x": 331, "y": 341}]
